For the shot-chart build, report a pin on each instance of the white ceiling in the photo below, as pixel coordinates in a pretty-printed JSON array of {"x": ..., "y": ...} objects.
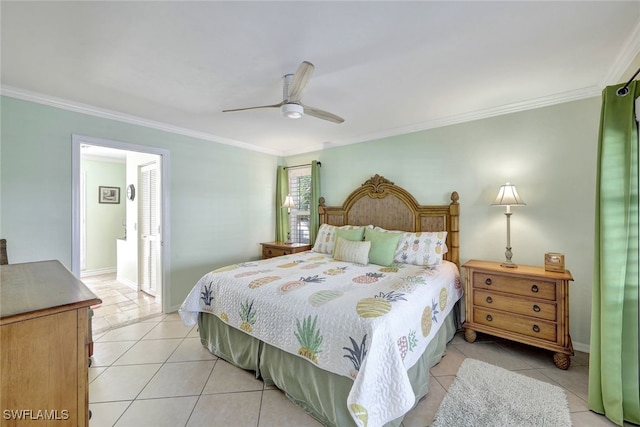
[{"x": 387, "y": 67}]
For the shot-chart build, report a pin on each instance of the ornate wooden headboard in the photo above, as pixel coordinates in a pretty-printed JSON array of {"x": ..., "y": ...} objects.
[{"x": 381, "y": 203}]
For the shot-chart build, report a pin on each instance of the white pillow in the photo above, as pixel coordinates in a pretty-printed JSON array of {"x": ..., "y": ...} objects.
[
  {"x": 351, "y": 251},
  {"x": 422, "y": 248},
  {"x": 326, "y": 240}
]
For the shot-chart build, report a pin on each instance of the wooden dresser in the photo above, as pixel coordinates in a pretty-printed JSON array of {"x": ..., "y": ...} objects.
[
  {"x": 525, "y": 304},
  {"x": 273, "y": 249},
  {"x": 44, "y": 334}
]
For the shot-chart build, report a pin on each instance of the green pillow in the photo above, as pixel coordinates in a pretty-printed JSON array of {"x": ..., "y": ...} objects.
[
  {"x": 353, "y": 234},
  {"x": 383, "y": 246}
]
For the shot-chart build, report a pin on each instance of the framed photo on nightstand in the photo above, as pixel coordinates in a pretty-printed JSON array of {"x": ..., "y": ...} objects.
[{"x": 554, "y": 261}]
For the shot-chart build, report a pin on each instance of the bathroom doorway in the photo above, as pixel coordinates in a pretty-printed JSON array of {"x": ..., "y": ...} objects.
[{"x": 118, "y": 246}]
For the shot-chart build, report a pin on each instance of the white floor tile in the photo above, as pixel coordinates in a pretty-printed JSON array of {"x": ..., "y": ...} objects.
[
  {"x": 106, "y": 414},
  {"x": 226, "y": 378},
  {"x": 229, "y": 409},
  {"x": 168, "y": 330},
  {"x": 121, "y": 382},
  {"x": 169, "y": 412},
  {"x": 150, "y": 351},
  {"x": 130, "y": 332},
  {"x": 104, "y": 354},
  {"x": 190, "y": 350},
  {"x": 277, "y": 410},
  {"x": 178, "y": 379}
]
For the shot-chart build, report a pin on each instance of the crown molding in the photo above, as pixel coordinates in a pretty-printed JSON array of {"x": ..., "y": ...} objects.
[
  {"x": 534, "y": 103},
  {"x": 64, "y": 104},
  {"x": 515, "y": 107},
  {"x": 625, "y": 58}
]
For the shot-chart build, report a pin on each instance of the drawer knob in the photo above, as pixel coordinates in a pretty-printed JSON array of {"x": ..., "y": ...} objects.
[
  {"x": 536, "y": 328},
  {"x": 488, "y": 281},
  {"x": 269, "y": 252},
  {"x": 489, "y": 317},
  {"x": 536, "y": 308},
  {"x": 489, "y": 300},
  {"x": 534, "y": 289}
]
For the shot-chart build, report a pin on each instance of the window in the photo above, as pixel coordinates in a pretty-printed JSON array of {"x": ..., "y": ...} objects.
[{"x": 300, "y": 191}]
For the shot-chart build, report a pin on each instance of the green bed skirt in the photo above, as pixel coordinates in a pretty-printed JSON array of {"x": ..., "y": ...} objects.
[{"x": 322, "y": 394}]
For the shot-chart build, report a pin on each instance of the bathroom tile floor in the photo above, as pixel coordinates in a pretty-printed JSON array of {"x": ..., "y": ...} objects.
[
  {"x": 155, "y": 372},
  {"x": 121, "y": 305}
]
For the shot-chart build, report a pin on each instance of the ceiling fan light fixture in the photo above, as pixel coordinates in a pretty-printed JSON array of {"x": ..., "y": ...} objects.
[{"x": 292, "y": 111}]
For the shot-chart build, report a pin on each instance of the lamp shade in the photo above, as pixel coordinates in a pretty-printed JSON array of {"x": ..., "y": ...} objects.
[
  {"x": 288, "y": 202},
  {"x": 508, "y": 196}
]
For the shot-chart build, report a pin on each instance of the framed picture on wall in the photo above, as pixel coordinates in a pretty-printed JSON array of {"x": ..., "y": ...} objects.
[{"x": 108, "y": 194}]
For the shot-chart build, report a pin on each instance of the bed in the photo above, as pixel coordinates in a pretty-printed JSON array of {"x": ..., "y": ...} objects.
[{"x": 349, "y": 329}]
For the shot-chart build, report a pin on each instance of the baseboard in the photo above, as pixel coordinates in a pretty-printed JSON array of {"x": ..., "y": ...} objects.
[
  {"x": 173, "y": 308},
  {"x": 581, "y": 347},
  {"x": 97, "y": 272},
  {"x": 133, "y": 285}
]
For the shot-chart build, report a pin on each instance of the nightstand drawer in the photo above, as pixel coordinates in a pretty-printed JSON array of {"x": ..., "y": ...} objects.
[
  {"x": 272, "y": 252},
  {"x": 530, "y": 287},
  {"x": 531, "y": 327},
  {"x": 519, "y": 305},
  {"x": 274, "y": 249}
]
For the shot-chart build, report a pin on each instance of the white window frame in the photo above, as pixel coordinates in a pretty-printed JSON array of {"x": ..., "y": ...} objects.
[{"x": 299, "y": 231}]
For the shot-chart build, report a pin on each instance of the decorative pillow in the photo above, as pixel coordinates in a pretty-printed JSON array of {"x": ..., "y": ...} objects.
[
  {"x": 383, "y": 246},
  {"x": 422, "y": 248},
  {"x": 352, "y": 234},
  {"x": 352, "y": 251},
  {"x": 326, "y": 240}
]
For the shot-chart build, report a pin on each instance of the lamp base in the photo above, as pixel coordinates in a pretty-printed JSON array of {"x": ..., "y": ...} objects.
[{"x": 508, "y": 263}]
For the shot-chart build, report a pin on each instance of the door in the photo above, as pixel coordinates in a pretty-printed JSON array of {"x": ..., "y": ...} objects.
[{"x": 149, "y": 229}]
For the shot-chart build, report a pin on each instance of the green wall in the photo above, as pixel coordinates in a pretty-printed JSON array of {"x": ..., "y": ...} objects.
[
  {"x": 104, "y": 220},
  {"x": 221, "y": 197},
  {"x": 548, "y": 153}
]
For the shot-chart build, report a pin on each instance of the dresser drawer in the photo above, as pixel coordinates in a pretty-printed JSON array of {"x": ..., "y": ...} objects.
[
  {"x": 537, "y": 328},
  {"x": 525, "y": 286},
  {"x": 519, "y": 305}
]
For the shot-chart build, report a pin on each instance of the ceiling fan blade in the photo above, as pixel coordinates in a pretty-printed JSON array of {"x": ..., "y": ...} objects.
[
  {"x": 321, "y": 114},
  {"x": 300, "y": 80},
  {"x": 278, "y": 105}
]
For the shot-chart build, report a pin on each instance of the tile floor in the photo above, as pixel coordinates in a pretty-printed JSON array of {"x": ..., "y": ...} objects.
[
  {"x": 121, "y": 305},
  {"x": 156, "y": 373}
]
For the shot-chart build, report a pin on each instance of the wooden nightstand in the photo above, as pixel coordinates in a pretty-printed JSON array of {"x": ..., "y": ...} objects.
[
  {"x": 273, "y": 249},
  {"x": 525, "y": 304}
]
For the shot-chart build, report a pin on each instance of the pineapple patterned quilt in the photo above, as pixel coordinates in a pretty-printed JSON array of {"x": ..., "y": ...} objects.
[{"x": 370, "y": 323}]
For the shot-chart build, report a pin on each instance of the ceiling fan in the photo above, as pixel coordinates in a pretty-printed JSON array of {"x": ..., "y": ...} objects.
[{"x": 291, "y": 107}]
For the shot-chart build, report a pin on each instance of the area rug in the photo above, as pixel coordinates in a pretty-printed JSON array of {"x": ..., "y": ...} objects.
[{"x": 484, "y": 395}]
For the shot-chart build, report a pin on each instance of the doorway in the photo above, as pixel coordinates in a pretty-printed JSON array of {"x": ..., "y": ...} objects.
[{"x": 137, "y": 269}]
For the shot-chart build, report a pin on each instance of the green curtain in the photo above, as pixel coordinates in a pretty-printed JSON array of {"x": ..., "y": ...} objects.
[
  {"x": 613, "y": 364},
  {"x": 314, "y": 220},
  {"x": 282, "y": 189}
]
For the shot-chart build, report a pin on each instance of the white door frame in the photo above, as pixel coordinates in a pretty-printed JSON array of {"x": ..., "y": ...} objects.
[{"x": 76, "y": 142}]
